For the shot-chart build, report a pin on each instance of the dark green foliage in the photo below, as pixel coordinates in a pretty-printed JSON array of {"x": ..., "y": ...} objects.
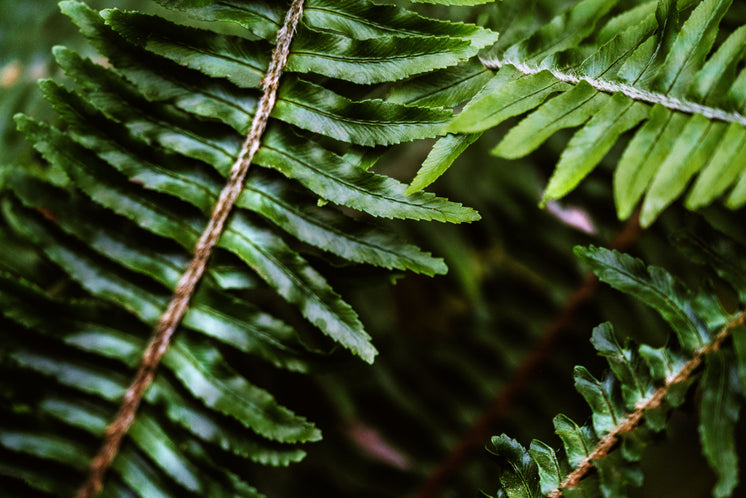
[
  {"x": 629, "y": 405},
  {"x": 131, "y": 175}
]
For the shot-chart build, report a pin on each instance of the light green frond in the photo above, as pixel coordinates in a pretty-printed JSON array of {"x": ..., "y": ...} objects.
[{"x": 612, "y": 70}]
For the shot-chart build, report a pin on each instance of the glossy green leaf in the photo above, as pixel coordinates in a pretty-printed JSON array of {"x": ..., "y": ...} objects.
[
  {"x": 440, "y": 158},
  {"x": 602, "y": 398},
  {"x": 578, "y": 441},
  {"x": 511, "y": 99},
  {"x": 550, "y": 471},
  {"x": 520, "y": 479},
  {"x": 624, "y": 363},
  {"x": 653, "y": 286},
  {"x": 591, "y": 143}
]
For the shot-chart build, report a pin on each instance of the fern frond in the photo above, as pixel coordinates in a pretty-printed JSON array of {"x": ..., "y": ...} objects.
[
  {"x": 632, "y": 401},
  {"x": 608, "y": 69},
  {"x": 132, "y": 178}
]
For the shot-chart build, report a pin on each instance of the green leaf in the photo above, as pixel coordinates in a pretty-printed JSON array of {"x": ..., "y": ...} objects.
[
  {"x": 591, "y": 143},
  {"x": 578, "y": 441},
  {"x": 602, "y": 398},
  {"x": 739, "y": 348},
  {"x": 371, "y": 122},
  {"x": 624, "y": 363},
  {"x": 511, "y": 99},
  {"x": 440, "y": 158},
  {"x": 643, "y": 156},
  {"x": 363, "y": 20},
  {"x": 570, "y": 109},
  {"x": 722, "y": 170},
  {"x": 520, "y": 477},
  {"x": 445, "y": 87},
  {"x": 653, "y": 286},
  {"x": 260, "y": 17},
  {"x": 550, "y": 471},
  {"x": 377, "y": 60},
  {"x": 719, "y": 412}
]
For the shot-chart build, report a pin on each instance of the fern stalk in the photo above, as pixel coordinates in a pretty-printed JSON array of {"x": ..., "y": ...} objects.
[
  {"x": 611, "y": 87},
  {"x": 187, "y": 284},
  {"x": 632, "y": 420},
  {"x": 502, "y": 403}
]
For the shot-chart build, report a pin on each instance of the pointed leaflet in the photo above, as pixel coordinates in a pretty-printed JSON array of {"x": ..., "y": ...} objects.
[
  {"x": 513, "y": 98},
  {"x": 579, "y": 442},
  {"x": 261, "y": 18},
  {"x": 446, "y": 87},
  {"x": 364, "y": 20},
  {"x": 725, "y": 165},
  {"x": 592, "y": 142},
  {"x": 571, "y": 108},
  {"x": 653, "y": 286},
  {"x": 603, "y": 399},
  {"x": 550, "y": 470},
  {"x": 519, "y": 477},
  {"x": 624, "y": 362},
  {"x": 441, "y": 156},
  {"x": 643, "y": 156}
]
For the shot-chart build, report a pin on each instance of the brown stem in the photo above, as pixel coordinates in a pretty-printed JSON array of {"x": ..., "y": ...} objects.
[
  {"x": 187, "y": 284},
  {"x": 475, "y": 438},
  {"x": 633, "y": 419}
]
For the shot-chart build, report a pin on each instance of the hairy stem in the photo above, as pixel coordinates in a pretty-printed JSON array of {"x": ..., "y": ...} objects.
[
  {"x": 630, "y": 91},
  {"x": 633, "y": 419},
  {"x": 474, "y": 439},
  {"x": 177, "y": 307}
]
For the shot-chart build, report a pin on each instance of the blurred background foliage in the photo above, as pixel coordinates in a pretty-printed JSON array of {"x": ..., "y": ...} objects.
[{"x": 487, "y": 349}]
